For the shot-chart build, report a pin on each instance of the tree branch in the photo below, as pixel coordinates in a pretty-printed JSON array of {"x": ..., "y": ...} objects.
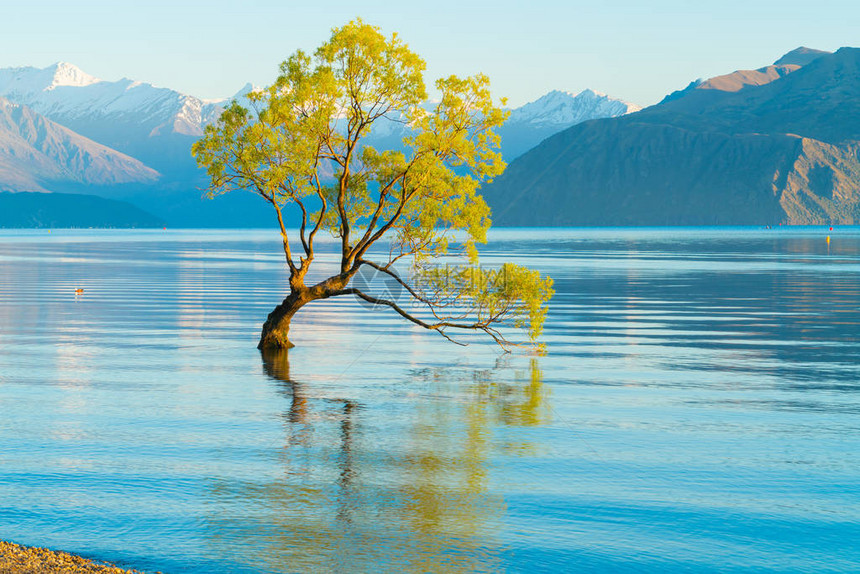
[
  {"x": 287, "y": 251},
  {"x": 397, "y": 278},
  {"x": 323, "y": 210},
  {"x": 439, "y": 327}
]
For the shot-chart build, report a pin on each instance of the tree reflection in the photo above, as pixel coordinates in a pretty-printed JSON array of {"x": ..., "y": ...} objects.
[
  {"x": 276, "y": 364},
  {"x": 448, "y": 499},
  {"x": 398, "y": 487}
]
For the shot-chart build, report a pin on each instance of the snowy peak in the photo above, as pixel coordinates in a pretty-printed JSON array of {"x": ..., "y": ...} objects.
[
  {"x": 558, "y": 108},
  {"x": 241, "y": 97},
  {"x": 30, "y": 80},
  {"x": 152, "y": 124},
  {"x": 133, "y": 117},
  {"x": 65, "y": 74},
  {"x": 246, "y": 89},
  {"x": 528, "y": 125},
  {"x": 70, "y": 96}
]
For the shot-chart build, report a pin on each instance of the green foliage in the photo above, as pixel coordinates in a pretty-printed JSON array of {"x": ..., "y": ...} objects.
[
  {"x": 303, "y": 143},
  {"x": 490, "y": 295}
]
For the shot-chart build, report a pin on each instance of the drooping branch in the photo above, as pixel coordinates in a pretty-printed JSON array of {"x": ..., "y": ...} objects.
[
  {"x": 387, "y": 270},
  {"x": 439, "y": 326}
]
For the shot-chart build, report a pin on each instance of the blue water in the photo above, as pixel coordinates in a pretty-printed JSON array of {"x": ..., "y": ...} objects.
[{"x": 698, "y": 410}]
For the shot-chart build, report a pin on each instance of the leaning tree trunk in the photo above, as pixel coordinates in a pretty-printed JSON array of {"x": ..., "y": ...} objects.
[{"x": 276, "y": 329}]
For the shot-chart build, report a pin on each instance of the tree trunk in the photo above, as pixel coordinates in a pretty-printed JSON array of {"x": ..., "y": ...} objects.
[{"x": 276, "y": 329}]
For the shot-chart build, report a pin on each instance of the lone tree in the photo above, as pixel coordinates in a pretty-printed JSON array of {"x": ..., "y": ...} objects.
[{"x": 302, "y": 145}]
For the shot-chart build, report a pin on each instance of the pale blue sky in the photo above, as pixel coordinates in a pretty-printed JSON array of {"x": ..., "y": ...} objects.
[{"x": 635, "y": 50}]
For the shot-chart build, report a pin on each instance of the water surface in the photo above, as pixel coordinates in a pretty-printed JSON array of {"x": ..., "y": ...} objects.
[{"x": 698, "y": 410}]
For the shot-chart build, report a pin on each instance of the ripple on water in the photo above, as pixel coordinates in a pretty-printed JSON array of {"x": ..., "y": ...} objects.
[{"x": 696, "y": 411}]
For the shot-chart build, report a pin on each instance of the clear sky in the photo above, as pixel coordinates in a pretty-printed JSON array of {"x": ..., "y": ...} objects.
[{"x": 636, "y": 50}]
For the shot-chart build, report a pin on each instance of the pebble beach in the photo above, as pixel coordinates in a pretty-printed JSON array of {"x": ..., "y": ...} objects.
[{"x": 27, "y": 559}]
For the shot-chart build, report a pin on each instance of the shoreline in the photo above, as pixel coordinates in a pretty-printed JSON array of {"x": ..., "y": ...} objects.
[{"x": 18, "y": 559}]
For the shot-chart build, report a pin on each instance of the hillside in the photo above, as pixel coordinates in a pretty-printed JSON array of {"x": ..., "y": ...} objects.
[
  {"x": 36, "y": 153},
  {"x": 774, "y": 145}
]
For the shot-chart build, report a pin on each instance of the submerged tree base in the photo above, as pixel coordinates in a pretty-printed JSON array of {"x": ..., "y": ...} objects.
[
  {"x": 276, "y": 330},
  {"x": 274, "y": 340}
]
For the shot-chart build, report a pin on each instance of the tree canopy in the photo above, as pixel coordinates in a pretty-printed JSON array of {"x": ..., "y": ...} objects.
[{"x": 302, "y": 144}]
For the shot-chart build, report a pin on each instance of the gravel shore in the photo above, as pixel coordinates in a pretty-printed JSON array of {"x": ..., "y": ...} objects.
[{"x": 28, "y": 560}]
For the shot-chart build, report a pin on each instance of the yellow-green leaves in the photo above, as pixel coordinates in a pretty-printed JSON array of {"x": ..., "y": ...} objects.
[
  {"x": 378, "y": 74},
  {"x": 303, "y": 142},
  {"x": 511, "y": 293}
]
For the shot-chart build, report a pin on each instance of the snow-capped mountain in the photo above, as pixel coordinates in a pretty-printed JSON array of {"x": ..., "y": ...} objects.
[
  {"x": 564, "y": 109},
  {"x": 30, "y": 80},
  {"x": 241, "y": 96},
  {"x": 155, "y": 125},
  {"x": 70, "y": 96},
  {"x": 530, "y": 124},
  {"x": 527, "y": 125},
  {"x": 36, "y": 153}
]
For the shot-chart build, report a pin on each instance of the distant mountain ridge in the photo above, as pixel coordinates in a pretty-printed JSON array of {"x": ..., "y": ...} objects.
[
  {"x": 116, "y": 112},
  {"x": 774, "y": 145},
  {"x": 559, "y": 108},
  {"x": 57, "y": 210},
  {"x": 800, "y": 56},
  {"x": 36, "y": 153},
  {"x": 157, "y": 126},
  {"x": 70, "y": 96},
  {"x": 535, "y": 121}
]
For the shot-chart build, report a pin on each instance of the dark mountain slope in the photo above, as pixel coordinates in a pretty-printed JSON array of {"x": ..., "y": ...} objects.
[
  {"x": 800, "y": 56},
  {"x": 716, "y": 153}
]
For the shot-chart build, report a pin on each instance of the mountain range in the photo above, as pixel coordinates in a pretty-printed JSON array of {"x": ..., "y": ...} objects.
[
  {"x": 37, "y": 154},
  {"x": 780, "y": 144},
  {"x": 135, "y": 118},
  {"x": 131, "y": 140},
  {"x": 528, "y": 125}
]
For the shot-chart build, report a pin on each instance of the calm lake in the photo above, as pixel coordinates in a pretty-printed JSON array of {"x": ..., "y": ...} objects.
[{"x": 698, "y": 410}]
